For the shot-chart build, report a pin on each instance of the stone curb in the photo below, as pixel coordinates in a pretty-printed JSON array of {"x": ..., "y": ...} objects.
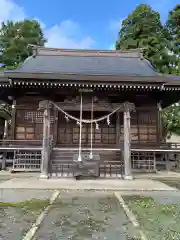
[
  {"x": 95, "y": 189},
  {"x": 130, "y": 215},
  {"x": 92, "y": 189},
  {"x": 31, "y": 233}
]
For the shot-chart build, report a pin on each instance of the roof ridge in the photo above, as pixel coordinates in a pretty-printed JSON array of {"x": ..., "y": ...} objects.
[{"x": 46, "y": 51}]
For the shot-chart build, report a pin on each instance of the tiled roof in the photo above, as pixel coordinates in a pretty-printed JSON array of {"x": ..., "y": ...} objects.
[{"x": 88, "y": 63}]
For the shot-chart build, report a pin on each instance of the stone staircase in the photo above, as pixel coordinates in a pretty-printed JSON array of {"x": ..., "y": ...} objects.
[{"x": 111, "y": 164}]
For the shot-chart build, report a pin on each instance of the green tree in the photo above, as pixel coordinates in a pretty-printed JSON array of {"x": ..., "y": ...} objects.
[
  {"x": 143, "y": 29},
  {"x": 173, "y": 26},
  {"x": 171, "y": 119},
  {"x": 14, "y": 40},
  {"x": 173, "y": 30}
]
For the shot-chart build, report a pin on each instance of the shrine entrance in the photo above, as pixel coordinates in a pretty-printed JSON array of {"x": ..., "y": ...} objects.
[
  {"x": 103, "y": 135},
  {"x": 80, "y": 161}
]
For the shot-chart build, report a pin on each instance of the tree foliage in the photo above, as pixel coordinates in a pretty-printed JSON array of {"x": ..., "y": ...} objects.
[
  {"x": 173, "y": 29},
  {"x": 14, "y": 40},
  {"x": 171, "y": 119},
  {"x": 143, "y": 29},
  {"x": 161, "y": 46}
]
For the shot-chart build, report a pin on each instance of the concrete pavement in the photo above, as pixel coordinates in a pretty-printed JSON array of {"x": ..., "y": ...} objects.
[{"x": 99, "y": 184}]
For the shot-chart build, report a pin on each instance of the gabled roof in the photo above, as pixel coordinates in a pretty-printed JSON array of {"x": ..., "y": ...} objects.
[{"x": 86, "y": 62}]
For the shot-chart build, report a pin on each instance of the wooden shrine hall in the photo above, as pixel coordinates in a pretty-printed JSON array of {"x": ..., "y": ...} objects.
[{"x": 87, "y": 112}]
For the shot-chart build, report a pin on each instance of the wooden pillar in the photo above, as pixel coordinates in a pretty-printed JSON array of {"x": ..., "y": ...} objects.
[
  {"x": 55, "y": 128},
  {"x": 159, "y": 124},
  {"x": 4, "y": 138},
  {"x": 127, "y": 143},
  {"x": 46, "y": 137},
  {"x": 118, "y": 129},
  {"x": 13, "y": 121}
]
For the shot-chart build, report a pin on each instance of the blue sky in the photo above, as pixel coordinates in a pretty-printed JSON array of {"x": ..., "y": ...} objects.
[{"x": 79, "y": 23}]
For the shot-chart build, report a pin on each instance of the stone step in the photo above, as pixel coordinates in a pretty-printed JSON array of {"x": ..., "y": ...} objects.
[{"x": 109, "y": 160}]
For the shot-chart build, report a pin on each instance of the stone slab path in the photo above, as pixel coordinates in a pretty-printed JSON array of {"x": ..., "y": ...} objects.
[
  {"x": 86, "y": 216},
  {"x": 70, "y": 184}
]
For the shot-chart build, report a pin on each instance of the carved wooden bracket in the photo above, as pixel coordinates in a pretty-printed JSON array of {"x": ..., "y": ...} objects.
[
  {"x": 128, "y": 107},
  {"x": 46, "y": 104}
]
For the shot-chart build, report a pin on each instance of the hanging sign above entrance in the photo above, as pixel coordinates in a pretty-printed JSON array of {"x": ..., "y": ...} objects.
[{"x": 85, "y": 90}]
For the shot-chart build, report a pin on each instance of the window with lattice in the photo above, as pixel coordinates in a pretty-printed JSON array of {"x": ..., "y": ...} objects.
[{"x": 35, "y": 117}]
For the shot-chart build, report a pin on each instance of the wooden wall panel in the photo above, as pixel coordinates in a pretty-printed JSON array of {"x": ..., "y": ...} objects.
[
  {"x": 144, "y": 126},
  {"x": 144, "y": 123},
  {"x": 29, "y": 120}
]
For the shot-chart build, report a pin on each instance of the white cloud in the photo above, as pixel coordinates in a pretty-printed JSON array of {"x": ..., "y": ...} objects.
[
  {"x": 9, "y": 10},
  {"x": 66, "y": 34}
]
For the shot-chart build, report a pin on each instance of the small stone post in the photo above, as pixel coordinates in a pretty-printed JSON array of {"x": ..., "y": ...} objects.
[
  {"x": 46, "y": 137},
  {"x": 127, "y": 143}
]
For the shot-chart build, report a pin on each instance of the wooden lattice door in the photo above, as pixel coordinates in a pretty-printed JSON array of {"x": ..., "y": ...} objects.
[{"x": 68, "y": 132}]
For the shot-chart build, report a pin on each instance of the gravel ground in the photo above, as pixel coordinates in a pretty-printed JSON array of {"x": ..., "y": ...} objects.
[
  {"x": 85, "y": 216},
  {"x": 15, "y": 221},
  {"x": 19, "y": 209},
  {"x": 20, "y": 195}
]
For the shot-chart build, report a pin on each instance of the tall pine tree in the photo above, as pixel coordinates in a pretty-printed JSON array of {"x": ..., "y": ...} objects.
[{"x": 143, "y": 29}]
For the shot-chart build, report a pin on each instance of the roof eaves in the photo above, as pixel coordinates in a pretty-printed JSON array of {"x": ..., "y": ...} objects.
[
  {"x": 172, "y": 80},
  {"x": 3, "y": 79},
  {"x": 80, "y": 77},
  {"x": 149, "y": 63}
]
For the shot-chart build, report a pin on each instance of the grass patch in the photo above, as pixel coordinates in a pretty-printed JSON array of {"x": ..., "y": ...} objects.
[
  {"x": 17, "y": 217},
  {"x": 158, "y": 221},
  {"x": 33, "y": 204}
]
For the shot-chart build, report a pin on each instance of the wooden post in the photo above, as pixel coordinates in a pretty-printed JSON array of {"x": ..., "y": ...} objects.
[
  {"x": 4, "y": 138},
  {"x": 55, "y": 127},
  {"x": 13, "y": 121},
  {"x": 118, "y": 129},
  {"x": 127, "y": 144},
  {"x": 46, "y": 137}
]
